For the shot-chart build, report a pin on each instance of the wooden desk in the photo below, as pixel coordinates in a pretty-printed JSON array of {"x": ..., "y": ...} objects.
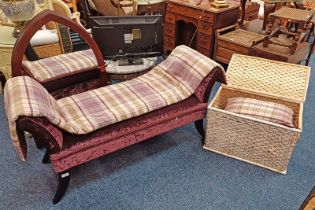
[
  {"x": 151, "y": 7},
  {"x": 190, "y": 24}
]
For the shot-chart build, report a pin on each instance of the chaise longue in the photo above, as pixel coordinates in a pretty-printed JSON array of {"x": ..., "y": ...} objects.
[{"x": 82, "y": 127}]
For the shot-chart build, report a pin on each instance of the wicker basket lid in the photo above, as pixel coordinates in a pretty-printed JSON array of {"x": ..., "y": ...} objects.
[{"x": 269, "y": 78}]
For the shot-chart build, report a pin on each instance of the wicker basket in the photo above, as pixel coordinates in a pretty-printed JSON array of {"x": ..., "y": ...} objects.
[
  {"x": 255, "y": 141},
  {"x": 48, "y": 50}
]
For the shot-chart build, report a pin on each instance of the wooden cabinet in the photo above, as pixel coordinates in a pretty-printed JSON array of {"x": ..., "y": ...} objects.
[
  {"x": 251, "y": 11},
  {"x": 194, "y": 25},
  {"x": 231, "y": 40}
]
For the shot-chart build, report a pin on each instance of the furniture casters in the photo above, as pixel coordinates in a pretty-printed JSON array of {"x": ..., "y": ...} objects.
[
  {"x": 63, "y": 182},
  {"x": 200, "y": 129}
]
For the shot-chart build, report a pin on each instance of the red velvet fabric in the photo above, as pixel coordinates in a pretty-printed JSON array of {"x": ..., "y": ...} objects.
[{"x": 78, "y": 149}]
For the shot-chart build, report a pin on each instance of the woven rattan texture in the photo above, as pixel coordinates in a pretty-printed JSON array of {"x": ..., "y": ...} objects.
[
  {"x": 289, "y": 81},
  {"x": 242, "y": 37},
  {"x": 221, "y": 100},
  {"x": 250, "y": 141},
  {"x": 49, "y": 50},
  {"x": 293, "y": 14}
]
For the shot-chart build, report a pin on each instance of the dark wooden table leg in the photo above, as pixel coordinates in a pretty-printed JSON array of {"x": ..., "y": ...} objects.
[
  {"x": 63, "y": 182},
  {"x": 46, "y": 158},
  {"x": 200, "y": 129},
  {"x": 312, "y": 49}
]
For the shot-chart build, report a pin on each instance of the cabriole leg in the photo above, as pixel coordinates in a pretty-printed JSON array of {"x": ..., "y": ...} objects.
[
  {"x": 63, "y": 182},
  {"x": 200, "y": 129},
  {"x": 46, "y": 158}
]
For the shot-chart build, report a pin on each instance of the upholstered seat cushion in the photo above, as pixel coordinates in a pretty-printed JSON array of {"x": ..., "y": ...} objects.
[
  {"x": 269, "y": 111},
  {"x": 60, "y": 65},
  {"x": 172, "y": 81}
]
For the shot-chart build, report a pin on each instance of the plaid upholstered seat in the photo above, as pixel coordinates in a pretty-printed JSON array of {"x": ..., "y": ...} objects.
[
  {"x": 269, "y": 111},
  {"x": 61, "y": 65},
  {"x": 172, "y": 81}
]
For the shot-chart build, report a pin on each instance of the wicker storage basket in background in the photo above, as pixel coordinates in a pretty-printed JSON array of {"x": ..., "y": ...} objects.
[
  {"x": 255, "y": 141},
  {"x": 48, "y": 50}
]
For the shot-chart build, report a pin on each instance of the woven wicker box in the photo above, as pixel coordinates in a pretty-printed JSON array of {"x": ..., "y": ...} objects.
[{"x": 255, "y": 141}]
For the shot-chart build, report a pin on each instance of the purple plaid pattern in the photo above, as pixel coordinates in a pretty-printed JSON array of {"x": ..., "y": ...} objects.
[
  {"x": 188, "y": 66},
  {"x": 59, "y": 65},
  {"x": 86, "y": 112},
  {"x": 269, "y": 111}
]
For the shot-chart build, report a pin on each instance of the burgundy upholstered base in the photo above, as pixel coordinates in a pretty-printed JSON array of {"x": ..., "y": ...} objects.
[
  {"x": 81, "y": 149},
  {"x": 67, "y": 150}
]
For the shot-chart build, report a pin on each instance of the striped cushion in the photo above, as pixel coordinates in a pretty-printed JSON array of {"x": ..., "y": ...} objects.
[
  {"x": 269, "y": 111},
  {"x": 60, "y": 65},
  {"x": 86, "y": 112}
]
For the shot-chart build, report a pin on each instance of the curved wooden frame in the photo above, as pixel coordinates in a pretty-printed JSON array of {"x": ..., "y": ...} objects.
[
  {"x": 35, "y": 24},
  {"x": 107, "y": 140}
]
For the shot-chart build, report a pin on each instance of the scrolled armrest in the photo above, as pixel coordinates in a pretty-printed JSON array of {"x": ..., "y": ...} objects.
[
  {"x": 204, "y": 89},
  {"x": 45, "y": 134}
]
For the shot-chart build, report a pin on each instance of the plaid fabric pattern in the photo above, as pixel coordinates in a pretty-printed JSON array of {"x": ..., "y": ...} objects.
[
  {"x": 86, "y": 112},
  {"x": 269, "y": 111},
  {"x": 24, "y": 96},
  {"x": 188, "y": 66},
  {"x": 59, "y": 65}
]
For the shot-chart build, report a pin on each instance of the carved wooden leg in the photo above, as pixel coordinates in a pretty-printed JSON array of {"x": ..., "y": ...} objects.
[
  {"x": 46, "y": 158},
  {"x": 63, "y": 182},
  {"x": 312, "y": 48},
  {"x": 200, "y": 129},
  {"x": 38, "y": 142}
]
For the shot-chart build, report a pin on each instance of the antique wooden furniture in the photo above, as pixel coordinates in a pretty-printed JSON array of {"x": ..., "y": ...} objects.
[
  {"x": 231, "y": 40},
  {"x": 283, "y": 45},
  {"x": 195, "y": 25},
  {"x": 249, "y": 139},
  {"x": 251, "y": 11},
  {"x": 312, "y": 48},
  {"x": 292, "y": 18},
  {"x": 67, "y": 150},
  {"x": 240, "y": 38},
  {"x": 151, "y": 7},
  {"x": 65, "y": 83}
]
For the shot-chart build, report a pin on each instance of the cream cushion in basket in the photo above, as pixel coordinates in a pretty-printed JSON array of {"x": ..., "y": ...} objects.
[{"x": 269, "y": 111}]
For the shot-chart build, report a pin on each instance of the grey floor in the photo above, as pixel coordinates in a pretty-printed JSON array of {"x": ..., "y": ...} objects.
[{"x": 170, "y": 171}]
